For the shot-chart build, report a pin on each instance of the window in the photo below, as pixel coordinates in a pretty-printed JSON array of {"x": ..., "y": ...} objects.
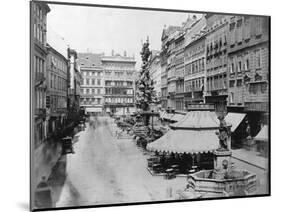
[
  {"x": 87, "y": 81},
  {"x": 98, "y": 91},
  {"x": 231, "y": 83},
  {"x": 239, "y": 67},
  {"x": 231, "y": 97},
  {"x": 246, "y": 64},
  {"x": 231, "y": 68},
  {"x": 87, "y": 91},
  {"x": 258, "y": 27},
  {"x": 258, "y": 58},
  {"x": 93, "y": 81},
  {"x": 239, "y": 82},
  {"x": 98, "y": 81},
  {"x": 93, "y": 91},
  {"x": 263, "y": 87}
]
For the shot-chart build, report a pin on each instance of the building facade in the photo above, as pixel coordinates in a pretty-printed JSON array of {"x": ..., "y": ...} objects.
[
  {"x": 216, "y": 61},
  {"x": 74, "y": 82},
  {"x": 39, "y": 53},
  {"x": 92, "y": 86},
  {"x": 248, "y": 68},
  {"x": 154, "y": 68},
  {"x": 56, "y": 96},
  {"x": 119, "y": 84},
  {"x": 194, "y": 63}
]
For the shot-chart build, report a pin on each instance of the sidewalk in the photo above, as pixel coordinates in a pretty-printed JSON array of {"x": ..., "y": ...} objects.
[
  {"x": 45, "y": 157},
  {"x": 250, "y": 157}
]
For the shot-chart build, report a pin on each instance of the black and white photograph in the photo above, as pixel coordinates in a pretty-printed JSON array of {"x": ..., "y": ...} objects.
[{"x": 140, "y": 105}]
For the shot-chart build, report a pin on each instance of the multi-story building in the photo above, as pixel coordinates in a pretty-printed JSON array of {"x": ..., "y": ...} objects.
[
  {"x": 74, "y": 81},
  {"x": 39, "y": 53},
  {"x": 172, "y": 64},
  {"x": 56, "y": 99},
  {"x": 92, "y": 86},
  {"x": 179, "y": 70},
  {"x": 194, "y": 61},
  {"x": 216, "y": 60},
  {"x": 248, "y": 68},
  {"x": 119, "y": 75},
  {"x": 154, "y": 68}
]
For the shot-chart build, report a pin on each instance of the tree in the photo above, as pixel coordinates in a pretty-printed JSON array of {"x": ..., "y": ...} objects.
[{"x": 145, "y": 94}]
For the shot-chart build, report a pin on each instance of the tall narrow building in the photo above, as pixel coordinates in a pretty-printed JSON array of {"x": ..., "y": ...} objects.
[
  {"x": 39, "y": 53},
  {"x": 92, "y": 85}
]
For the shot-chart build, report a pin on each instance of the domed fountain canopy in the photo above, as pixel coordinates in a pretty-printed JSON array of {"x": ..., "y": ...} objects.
[
  {"x": 198, "y": 120},
  {"x": 195, "y": 133}
]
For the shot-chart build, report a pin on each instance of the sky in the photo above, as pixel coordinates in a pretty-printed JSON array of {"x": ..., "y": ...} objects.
[{"x": 101, "y": 30}]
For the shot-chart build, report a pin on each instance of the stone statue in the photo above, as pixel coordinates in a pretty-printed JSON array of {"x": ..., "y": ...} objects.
[{"x": 223, "y": 133}]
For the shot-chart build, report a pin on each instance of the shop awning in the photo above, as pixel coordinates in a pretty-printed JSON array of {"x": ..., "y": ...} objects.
[
  {"x": 186, "y": 141},
  {"x": 93, "y": 109},
  {"x": 234, "y": 119},
  {"x": 177, "y": 117},
  {"x": 263, "y": 134}
]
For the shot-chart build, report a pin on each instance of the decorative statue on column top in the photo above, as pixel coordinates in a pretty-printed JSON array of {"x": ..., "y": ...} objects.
[{"x": 223, "y": 134}]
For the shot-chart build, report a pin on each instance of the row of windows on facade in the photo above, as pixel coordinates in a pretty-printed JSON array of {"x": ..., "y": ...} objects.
[
  {"x": 119, "y": 65},
  {"x": 195, "y": 67},
  {"x": 217, "y": 82},
  {"x": 91, "y": 100},
  {"x": 217, "y": 43},
  {"x": 189, "y": 54},
  {"x": 92, "y": 73},
  {"x": 180, "y": 87},
  {"x": 58, "y": 102},
  {"x": 245, "y": 62},
  {"x": 58, "y": 82},
  {"x": 59, "y": 64},
  {"x": 194, "y": 85},
  {"x": 91, "y": 82},
  {"x": 119, "y": 100},
  {"x": 118, "y": 73},
  {"x": 253, "y": 89},
  {"x": 118, "y": 91},
  {"x": 217, "y": 61},
  {"x": 240, "y": 30},
  {"x": 40, "y": 95},
  {"x": 90, "y": 91},
  {"x": 119, "y": 83},
  {"x": 39, "y": 26}
]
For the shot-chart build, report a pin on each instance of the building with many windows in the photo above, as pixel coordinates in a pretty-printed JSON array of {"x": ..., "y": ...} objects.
[
  {"x": 119, "y": 84},
  {"x": 92, "y": 85},
  {"x": 194, "y": 62},
  {"x": 56, "y": 99},
  {"x": 39, "y": 53},
  {"x": 248, "y": 68},
  {"x": 216, "y": 60}
]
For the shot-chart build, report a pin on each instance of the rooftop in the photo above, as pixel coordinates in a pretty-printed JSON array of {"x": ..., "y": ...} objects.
[{"x": 91, "y": 60}]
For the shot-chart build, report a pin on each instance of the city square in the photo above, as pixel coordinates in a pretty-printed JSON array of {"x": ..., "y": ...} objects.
[{"x": 186, "y": 118}]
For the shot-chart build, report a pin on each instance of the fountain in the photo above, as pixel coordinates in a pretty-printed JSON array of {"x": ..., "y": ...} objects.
[{"x": 224, "y": 180}]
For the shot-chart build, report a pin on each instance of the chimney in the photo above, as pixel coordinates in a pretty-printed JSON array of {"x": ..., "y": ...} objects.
[
  {"x": 112, "y": 52},
  {"x": 194, "y": 17},
  {"x": 125, "y": 54}
]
